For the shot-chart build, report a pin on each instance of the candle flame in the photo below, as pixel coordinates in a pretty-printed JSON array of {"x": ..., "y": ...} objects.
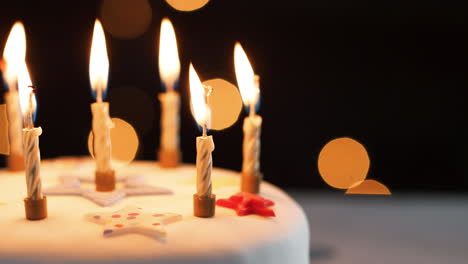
[
  {"x": 28, "y": 103},
  {"x": 169, "y": 64},
  {"x": 200, "y": 108},
  {"x": 14, "y": 54},
  {"x": 245, "y": 76},
  {"x": 98, "y": 62}
]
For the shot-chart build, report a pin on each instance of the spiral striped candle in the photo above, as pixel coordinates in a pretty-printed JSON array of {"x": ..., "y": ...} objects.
[
  {"x": 205, "y": 146},
  {"x": 170, "y": 104},
  {"x": 251, "y": 145},
  {"x": 14, "y": 122},
  {"x": 32, "y": 161},
  {"x": 101, "y": 136}
]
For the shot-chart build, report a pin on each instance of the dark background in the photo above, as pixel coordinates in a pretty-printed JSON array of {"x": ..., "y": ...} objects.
[{"x": 391, "y": 75}]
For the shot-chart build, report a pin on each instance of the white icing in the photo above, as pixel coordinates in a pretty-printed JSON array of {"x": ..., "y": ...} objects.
[{"x": 67, "y": 237}]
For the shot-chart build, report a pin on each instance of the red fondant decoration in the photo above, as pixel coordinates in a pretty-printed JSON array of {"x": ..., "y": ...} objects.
[{"x": 248, "y": 203}]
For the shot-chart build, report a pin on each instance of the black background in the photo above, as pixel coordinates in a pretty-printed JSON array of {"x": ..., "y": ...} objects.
[{"x": 391, "y": 75}]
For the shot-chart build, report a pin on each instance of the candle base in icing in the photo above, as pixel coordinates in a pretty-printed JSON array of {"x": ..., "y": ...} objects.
[
  {"x": 169, "y": 158},
  {"x": 204, "y": 206},
  {"x": 105, "y": 181},
  {"x": 250, "y": 182},
  {"x": 16, "y": 162},
  {"x": 35, "y": 209}
]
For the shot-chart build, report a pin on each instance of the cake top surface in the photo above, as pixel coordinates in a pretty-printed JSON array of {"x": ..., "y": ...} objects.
[{"x": 66, "y": 233}]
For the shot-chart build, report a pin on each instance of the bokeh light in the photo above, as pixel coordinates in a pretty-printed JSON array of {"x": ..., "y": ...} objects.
[
  {"x": 187, "y": 5},
  {"x": 369, "y": 187},
  {"x": 343, "y": 162},
  {"x": 126, "y": 19},
  {"x": 225, "y": 103},
  {"x": 124, "y": 140},
  {"x": 4, "y": 144}
]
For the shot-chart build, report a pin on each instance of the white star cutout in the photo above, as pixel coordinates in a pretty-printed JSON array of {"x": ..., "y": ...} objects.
[
  {"x": 132, "y": 219},
  {"x": 134, "y": 185}
]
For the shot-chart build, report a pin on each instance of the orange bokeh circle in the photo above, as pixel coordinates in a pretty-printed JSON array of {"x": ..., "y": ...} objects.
[
  {"x": 187, "y": 5},
  {"x": 343, "y": 162}
]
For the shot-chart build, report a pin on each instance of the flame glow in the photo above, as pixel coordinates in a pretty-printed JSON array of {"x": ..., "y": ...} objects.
[
  {"x": 98, "y": 62},
  {"x": 24, "y": 91},
  {"x": 245, "y": 76},
  {"x": 14, "y": 54},
  {"x": 197, "y": 97},
  {"x": 169, "y": 64}
]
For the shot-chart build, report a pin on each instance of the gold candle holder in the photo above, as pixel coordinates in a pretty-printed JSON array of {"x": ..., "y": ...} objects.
[
  {"x": 15, "y": 162},
  {"x": 105, "y": 181},
  {"x": 204, "y": 206},
  {"x": 35, "y": 209},
  {"x": 251, "y": 182},
  {"x": 169, "y": 158}
]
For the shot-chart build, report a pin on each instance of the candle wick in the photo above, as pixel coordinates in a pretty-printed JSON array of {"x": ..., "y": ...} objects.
[
  {"x": 252, "y": 109},
  {"x": 29, "y": 119},
  {"x": 256, "y": 83},
  {"x": 208, "y": 91},
  {"x": 169, "y": 87},
  {"x": 99, "y": 96}
]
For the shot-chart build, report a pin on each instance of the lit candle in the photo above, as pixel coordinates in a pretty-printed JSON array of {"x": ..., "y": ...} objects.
[
  {"x": 204, "y": 200},
  {"x": 35, "y": 203},
  {"x": 98, "y": 74},
  {"x": 14, "y": 54},
  {"x": 249, "y": 87},
  {"x": 169, "y": 70}
]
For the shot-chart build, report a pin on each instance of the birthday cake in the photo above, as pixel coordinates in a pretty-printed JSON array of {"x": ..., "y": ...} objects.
[{"x": 84, "y": 228}]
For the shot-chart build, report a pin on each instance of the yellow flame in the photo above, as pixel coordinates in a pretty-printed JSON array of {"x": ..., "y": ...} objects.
[
  {"x": 98, "y": 61},
  {"x": 169, "y": 64},
  {"x": 245, "y": 76},
  {"x": 25, "y": 90},
  {"x": 197, "y": 96},
  {"x": 14, "y": 53}
]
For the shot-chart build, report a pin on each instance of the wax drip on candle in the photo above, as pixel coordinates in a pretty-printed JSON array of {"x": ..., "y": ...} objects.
[{"x": 256, "y": 82}]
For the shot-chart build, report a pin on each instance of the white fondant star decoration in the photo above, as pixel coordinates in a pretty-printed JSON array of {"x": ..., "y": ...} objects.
[
  {"x": 133, "y": 185},
  {"x": 132, "y": 219}
]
